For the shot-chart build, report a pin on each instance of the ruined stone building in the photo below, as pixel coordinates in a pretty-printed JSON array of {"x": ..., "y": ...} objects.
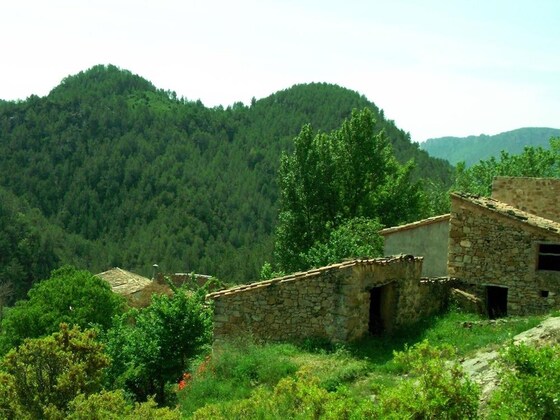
[
  {"x": 502, "y": 253},
  {"x": 506, "y": 249},
  {"x": 340, "y": 302}
]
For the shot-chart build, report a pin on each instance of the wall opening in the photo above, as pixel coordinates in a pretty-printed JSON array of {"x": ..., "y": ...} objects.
[
  {"x": 381, "y": 309},
  {"x": 496, "y": 298},
  {"x": 549, "y": 257}
]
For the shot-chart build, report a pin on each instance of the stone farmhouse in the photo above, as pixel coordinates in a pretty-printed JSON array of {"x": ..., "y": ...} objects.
[
  {"x": 506, "y": 249},
  {"x": 501, "y": 255},
  {"x": 503, "y": 252},
  {"x": 340, "y": 302}
]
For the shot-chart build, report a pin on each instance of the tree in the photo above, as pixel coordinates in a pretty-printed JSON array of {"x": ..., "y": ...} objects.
[
  {"x": 330, "y": 179},
  {"x": 151, "y": 347},
  {"x": 72, "y": 296},
  {"x": 358, "y": 237},
  {"x": 533, "y": 162},
  {"x": 26, "y": 248},
  {"x": 43, "y": 375}
]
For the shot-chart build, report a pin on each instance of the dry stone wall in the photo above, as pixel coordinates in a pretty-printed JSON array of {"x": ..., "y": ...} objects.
[
  {"x": 533, "y": 195},
  {"x": 492, "y": 244},
  {"x": 331, "y": 302}
]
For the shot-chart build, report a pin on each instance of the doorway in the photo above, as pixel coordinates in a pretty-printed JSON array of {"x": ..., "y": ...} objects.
[
  {"x": 496, "y": 298},
  {"x": 381, "y": 309}
]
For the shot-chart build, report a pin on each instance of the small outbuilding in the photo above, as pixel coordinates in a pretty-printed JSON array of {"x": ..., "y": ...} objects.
[{"x": 340, "y": 302}]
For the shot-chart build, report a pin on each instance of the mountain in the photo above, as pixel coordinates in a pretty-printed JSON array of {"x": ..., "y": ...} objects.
[
  {"x": 472, "y": 149},
  {"x": 134, "y": 175}
]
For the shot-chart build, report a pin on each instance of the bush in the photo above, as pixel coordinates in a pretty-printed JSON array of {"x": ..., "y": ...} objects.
[
  {"x": 151, "y": 347},
  {"x": 436, "y": 388},
  {"x": 113, "y": 406},
  {"x": 43, "y": 375},
  {"x": 70, "y": 296},
  {"x": 530, "y": 383},
  {"x": 299, "y": 397}
]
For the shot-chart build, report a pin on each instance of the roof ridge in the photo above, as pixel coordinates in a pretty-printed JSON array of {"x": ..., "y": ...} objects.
[{"x": 311, "y": 273}]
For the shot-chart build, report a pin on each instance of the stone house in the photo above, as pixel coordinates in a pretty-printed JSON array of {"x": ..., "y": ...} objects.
[
  {"x": 340, "y": 302},
  {"x": 503, "y": 252},
  {"x": 506, "y": 249}
]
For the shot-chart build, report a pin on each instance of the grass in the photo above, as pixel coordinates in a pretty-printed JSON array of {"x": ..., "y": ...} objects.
[{"x": 237, "y": 369}]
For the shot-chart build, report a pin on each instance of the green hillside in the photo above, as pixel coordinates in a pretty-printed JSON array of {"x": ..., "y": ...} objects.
[
  {"x": 473, "y": 149},
  {"x": 130, "y": 175}
]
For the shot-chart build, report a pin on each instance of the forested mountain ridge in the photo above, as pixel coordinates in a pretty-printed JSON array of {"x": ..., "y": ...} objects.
[
  {"x": 134, "y": 175},
  {"x": 473, "y": 149}
]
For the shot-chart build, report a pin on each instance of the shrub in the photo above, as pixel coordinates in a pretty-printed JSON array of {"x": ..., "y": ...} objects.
[
  {"x": 70, "y": 296},
  {"x": 113, "y": 406},
  {"x": 43, "y": 375},
  {"x": 436, "y": 387},
  {"x": 299, "y": 397},
  {"x": 530, "y": 383},
  {"x": 151, "y": 347}
]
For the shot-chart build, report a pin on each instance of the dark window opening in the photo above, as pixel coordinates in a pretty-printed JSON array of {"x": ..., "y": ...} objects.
[
  {"x": 544, "y": 293},
  {"x": 497, "y": 301},
  {"x": 549, "y": 257}
]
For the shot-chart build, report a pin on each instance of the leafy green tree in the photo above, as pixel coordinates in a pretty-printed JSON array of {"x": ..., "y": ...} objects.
[
  {"x": 71, "y": 296},
  {"x": 27, "y": 252},
  {"x": 533, "y": 162},
  {"x": 355, "y": 238},
  {"x": 43, "y": 375},
  {"x": 151, "y": 347},
  {"x": 332, "y": 178}
]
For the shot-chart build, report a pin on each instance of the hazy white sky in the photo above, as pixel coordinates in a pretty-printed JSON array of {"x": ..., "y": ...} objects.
[{"x": 449, "y": 67}]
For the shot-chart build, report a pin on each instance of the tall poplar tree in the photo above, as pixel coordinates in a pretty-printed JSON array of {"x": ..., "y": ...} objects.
[{"x": 330, "y": 179}]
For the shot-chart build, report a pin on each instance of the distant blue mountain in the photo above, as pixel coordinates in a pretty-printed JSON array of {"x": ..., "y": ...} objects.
[{"x": 472, "y": 149}]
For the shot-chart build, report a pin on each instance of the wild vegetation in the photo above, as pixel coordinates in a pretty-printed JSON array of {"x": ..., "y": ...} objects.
[
  {"x": 107, "y": 170},
  {"x": 110, "y": 171}
]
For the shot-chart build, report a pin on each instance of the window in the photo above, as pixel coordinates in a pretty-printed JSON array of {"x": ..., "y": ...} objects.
[{"x": 549, "y": 257}]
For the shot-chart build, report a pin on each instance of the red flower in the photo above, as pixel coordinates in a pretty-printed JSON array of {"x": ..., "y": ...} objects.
[{"x": 184, "y": 381}]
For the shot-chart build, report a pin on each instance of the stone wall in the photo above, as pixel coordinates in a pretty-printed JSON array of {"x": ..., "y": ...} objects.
[
  {"x": 492, "y": 244},
  {"x": 533, "y": 195},
  {"x": 331, "y": 302},
  {"x": 428, "y": 238}
]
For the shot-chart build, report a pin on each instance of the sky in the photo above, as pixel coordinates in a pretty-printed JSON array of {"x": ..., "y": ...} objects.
[{"x": 437, "y": 68}]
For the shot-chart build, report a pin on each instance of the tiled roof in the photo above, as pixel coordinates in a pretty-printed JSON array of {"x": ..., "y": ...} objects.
[
  {"x": 312, "y": 273},
  {"x": 124, "y": 282},
  {"x": 414, "y": 225},
  {"x": 509, "y": 211}
]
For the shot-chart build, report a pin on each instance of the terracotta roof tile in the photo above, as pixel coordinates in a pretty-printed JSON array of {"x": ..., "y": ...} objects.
[
  {"x": 311, "y": 273},
  {"x": 509, "y": 211}
]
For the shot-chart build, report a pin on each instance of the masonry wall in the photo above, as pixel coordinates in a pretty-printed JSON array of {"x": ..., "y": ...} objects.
[
  {"x": 487, "y": 248},
  {"x": 534, "y": 195},
  {"x": 428, "y": 240},
  {"x": 331, "y": 302}
]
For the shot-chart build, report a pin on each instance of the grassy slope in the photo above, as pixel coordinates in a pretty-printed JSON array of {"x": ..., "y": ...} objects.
[{"x": 237, "y": 370}]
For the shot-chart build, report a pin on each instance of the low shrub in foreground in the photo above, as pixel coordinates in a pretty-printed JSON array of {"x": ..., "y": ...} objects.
[
  {"x": 436, "y": 388},
  {"x": 530, "y": 384}
]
